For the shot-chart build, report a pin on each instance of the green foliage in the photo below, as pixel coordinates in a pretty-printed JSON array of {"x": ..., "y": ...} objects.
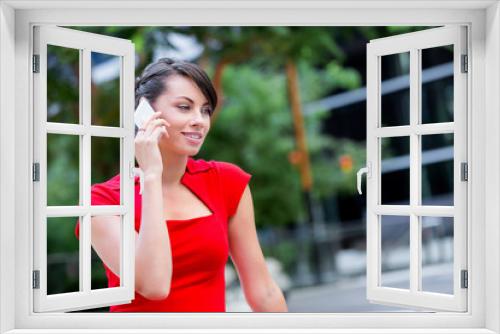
[
  {"x": 325, "y": 151},
  {"x": 63, "y": 170}
]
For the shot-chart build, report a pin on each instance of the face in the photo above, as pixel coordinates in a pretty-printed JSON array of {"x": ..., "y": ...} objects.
[{"x": 184, "y": 106}]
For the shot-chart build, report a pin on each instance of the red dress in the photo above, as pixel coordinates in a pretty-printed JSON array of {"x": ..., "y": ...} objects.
[{"x": 199, "y": 246}]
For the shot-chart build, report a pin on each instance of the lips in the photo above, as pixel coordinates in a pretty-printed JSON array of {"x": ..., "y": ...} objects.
[
  {"x": 193, "y": 135},
  {"x": 193, "y": 138}
]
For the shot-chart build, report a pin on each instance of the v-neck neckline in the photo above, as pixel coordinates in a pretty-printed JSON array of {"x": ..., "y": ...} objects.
[
  {"x": 189, "y": 219},
  {"x": 188, "y": 179},
  {"x": 191, "y": 180}
]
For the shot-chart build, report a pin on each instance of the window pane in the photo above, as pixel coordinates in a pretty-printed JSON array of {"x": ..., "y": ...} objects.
[
  {"x": 105, "y": 89},
  {"x": 63, "y": 82},
  {"x": 63, "y": 176},
  {"x": 63, "y": 262},
  {"x": 437, "y": 254},
  {"x": 437, "y": 84},
  {"x": 98, "y": 271},
  {"x": 437, "y": 169},
  {"x": 395, "y": 171},
  {"x": 395, "y": 251},
  {"x": 105, "y": 159},
  {"x": 395, "y": 89}
]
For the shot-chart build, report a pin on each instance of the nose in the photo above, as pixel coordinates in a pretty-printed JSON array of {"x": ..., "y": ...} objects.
[{"x": 197, "y": 118}]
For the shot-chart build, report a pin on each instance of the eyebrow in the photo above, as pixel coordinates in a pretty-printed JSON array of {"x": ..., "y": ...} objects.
[{"x": 187, "y": 98}]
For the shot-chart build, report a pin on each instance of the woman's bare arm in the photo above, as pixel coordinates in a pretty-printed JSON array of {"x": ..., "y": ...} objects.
[
  {"x": 261, "y": 291},
  {"x": 153, "y": 260},
  {"x": 153, "y": 252},
  {"x": 153, "y": 256}
]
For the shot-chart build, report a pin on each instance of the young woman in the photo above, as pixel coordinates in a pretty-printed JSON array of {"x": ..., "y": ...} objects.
[{"x": 192, "y": 214}]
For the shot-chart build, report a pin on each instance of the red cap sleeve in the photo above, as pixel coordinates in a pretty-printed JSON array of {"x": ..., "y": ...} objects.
[
  {"x": 101, "y": 194},
  {"x": 233, "y": 181}
]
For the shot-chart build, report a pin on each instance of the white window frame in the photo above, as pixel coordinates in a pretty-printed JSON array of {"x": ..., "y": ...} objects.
[
  {"x": 16, "y": 214},
  {"x": 85, "y": 43},
  {"x": 413, "y": 44}
]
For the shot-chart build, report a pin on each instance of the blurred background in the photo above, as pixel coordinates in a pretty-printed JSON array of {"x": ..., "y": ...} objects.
[{"x": 292, "y": 113}]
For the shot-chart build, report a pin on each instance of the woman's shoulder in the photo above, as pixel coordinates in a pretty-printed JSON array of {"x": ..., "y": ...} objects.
[
  {"x": 230, "y": 170},
  {"x": 225, "y": 169},
  {"x": 106, "y": 192},
  {"x": 112, "y": 183}
]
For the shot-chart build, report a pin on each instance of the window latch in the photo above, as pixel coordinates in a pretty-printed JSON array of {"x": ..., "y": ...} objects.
[
  {"x": 365, "y": 170},
  {"x": 137, "y": 171}
]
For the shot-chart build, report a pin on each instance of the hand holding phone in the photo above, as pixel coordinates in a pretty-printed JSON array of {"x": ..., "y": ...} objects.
[
  {"x": 151, "y": 125},
  {"x": 143, "y": 112}
]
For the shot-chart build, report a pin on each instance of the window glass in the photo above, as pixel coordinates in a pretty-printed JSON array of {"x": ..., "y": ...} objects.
[
  {"x": 437, "y": 84},
  {"x": 105, "y": 89},
  {"x": 395, "y": 170},
  {"x": 395, "y": 251},
  {"x": 395, "y": 89},
  {"x": 63, "y": 84}
]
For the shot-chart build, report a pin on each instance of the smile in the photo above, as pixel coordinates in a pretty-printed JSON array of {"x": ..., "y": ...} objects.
[
  {"x": 192, "y": 135},
  {"x": 193, "y": 138}
]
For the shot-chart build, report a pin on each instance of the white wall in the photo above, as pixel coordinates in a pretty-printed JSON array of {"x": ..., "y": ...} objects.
[
  {"x": 489, "y": 208},
  {"x": 492, "y": 202},
  {"x": 7, "y": 164}
]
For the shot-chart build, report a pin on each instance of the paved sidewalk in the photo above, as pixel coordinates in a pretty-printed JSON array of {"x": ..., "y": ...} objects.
[{"x": 348, "y": 295}]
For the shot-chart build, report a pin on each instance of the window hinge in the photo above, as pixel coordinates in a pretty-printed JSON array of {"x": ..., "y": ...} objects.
[
  {"x": 465, "y": 67},
  {"x": 464, "y": 171},
  {"x": 464, "y": 279},
  {"x": 36, "y": 279},
  {"x": 36, "y": 171},
  {"x": 36, "y": 63}
]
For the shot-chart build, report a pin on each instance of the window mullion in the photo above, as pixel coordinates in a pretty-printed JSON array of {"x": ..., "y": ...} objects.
[
  {"x": 85, "y": 165},
  {"x": 415, "y": 161},
  {"x": 127, "y": 261}
]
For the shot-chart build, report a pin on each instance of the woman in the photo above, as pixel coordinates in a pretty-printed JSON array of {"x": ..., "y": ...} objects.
[{"x": 191, "y": 215}]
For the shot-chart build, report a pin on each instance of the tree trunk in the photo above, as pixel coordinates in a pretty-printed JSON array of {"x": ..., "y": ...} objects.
[
  {"x": 298, "y": 122},
  {"x": 302, "y": 154}
]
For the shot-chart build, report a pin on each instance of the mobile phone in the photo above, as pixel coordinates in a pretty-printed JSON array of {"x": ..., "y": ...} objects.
[{"x": 143, "y": 112}]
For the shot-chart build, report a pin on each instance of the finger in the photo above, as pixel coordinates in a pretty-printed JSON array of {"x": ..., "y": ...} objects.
[
  {"x": 158, "y": 121},
  {"x": 154, "y": 124},
  {"x": 158, "y": 132},
  {"x": 163, "y": 128},
  {"x": 139, "y": 133},
  {"x": 151, "y": 118}
]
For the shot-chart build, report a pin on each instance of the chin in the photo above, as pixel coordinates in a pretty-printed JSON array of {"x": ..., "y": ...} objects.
[
  {"x": 189, "y": 152},
  {"x": 181, "y": 150},
  {"x": 193, "y": 152}
]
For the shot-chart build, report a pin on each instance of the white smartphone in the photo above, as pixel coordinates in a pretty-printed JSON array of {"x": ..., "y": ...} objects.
[{"x": 143, "y": 112}]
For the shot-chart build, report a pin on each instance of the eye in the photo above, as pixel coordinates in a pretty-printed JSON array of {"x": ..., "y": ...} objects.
[
  {"x": 184, "y": 107},
  {"x": 207, "y": 111}
]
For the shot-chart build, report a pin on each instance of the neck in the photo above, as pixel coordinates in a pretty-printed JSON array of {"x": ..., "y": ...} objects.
[{"x": 174, "y": 167}]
